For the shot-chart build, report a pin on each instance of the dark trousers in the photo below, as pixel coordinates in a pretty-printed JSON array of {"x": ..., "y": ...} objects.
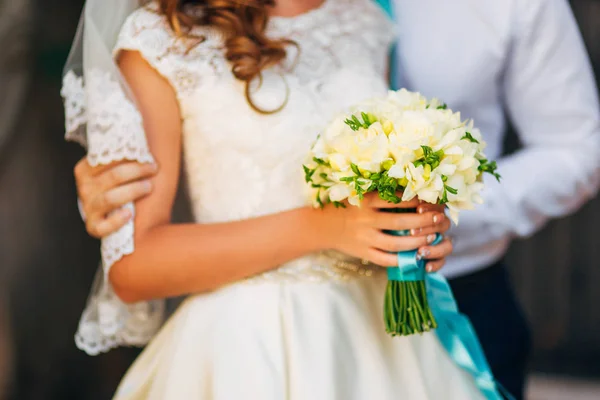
[{"x": 486, "y": 297}]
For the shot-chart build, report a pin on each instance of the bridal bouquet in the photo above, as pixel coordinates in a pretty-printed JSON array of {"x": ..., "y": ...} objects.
[{"x": 401, "y": 146}]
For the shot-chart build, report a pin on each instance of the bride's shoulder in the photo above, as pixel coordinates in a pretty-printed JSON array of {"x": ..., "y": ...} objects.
[
  {"x": 148, "y": 31},
  {"x": 179, "y": 58},
  {"x": 145, "y": 21}
]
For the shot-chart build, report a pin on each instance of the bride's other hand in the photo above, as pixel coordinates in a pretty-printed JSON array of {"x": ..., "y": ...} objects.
[
  {"x": 435, "y": 256},
  {"x": 104, "y": 189},
  {"x": 358, "y": 231}
]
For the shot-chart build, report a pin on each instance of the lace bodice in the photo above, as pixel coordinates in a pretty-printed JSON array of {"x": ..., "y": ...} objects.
[
  {"x": 343, "y": 48},
  {"x": 239, "y": 163}
]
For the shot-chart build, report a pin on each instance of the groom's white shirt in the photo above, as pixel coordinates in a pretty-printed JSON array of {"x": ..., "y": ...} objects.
[{"x": 525, "y": 58}]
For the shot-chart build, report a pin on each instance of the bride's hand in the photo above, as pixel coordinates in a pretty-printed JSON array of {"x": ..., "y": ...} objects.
[{"x": 358, "y": 231}]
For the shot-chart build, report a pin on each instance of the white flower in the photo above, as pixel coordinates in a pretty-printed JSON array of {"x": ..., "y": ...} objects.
[
  {"x": 409, "y": 130},
  {"x": 366, "y": 148},
  {"x": 319, "y": 150},
  {"x": 466, "y": 197},
  {"x": 397, "y": 171},
  {"x": 407, "y": 100},
  {"x": 339, "y": 192},
  {"x": 342, "y": 191},
  {"x": 401, "y": 153},
  {"x": 426, "y": 186},
  {"x": 339, "y": 162},
  {"x": 414, "y": 129},
  {"x": 336, "y": 128}
]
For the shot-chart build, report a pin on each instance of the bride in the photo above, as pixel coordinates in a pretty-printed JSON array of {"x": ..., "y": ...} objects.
[{"x": 285, "y": 301}]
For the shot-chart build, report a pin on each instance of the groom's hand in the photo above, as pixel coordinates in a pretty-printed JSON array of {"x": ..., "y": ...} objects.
[{"x": 104, "y": 189}]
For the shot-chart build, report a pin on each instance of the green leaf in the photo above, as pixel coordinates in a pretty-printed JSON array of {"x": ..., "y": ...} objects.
[
  {"x": 355, "y": 169},
  {"x": 319, "y": 201},
  {"x": 308, "y": 173},
  {"x": 470, "y": 138},
  {"x": 366, "y": 120},
  {"x": 339, "y": 204},
  {"x": 451, "y": 189},
  {"x": 489, "y": 167},
  {"x": 320, "y": 161},
  {"x": 353, "y": 123},
  {"x": 359, "y": 189},
  {"x": 444, "y": 199},
  {"x": 442, "y": 107}
]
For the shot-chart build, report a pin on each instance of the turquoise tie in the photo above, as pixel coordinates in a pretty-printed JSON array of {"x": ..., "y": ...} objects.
[{"x": 389, "y": 9}]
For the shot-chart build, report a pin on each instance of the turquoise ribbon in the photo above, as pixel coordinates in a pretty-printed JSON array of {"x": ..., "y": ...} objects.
[
  {"x": 410, "y": 267},
  {"x": 454, "y": 331},
  {"x": 458, "y": 337}
]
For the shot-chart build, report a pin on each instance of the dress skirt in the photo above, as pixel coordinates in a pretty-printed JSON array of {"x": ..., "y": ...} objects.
[{"x": 292, "y": 341}]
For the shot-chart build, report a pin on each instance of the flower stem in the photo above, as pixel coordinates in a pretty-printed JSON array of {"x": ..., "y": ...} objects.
[{"x": 406, "y": 309}]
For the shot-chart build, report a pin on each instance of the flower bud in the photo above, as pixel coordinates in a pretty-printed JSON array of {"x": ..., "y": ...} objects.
[
  {"x": 387, "y": 164},
  {"x": 388, "y": 127},
  {"x": 403, "y": 182},
  {"x": 426, "y": 171}
]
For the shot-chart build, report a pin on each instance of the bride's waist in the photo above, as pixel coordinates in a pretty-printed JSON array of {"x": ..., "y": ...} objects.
[{"x": 319, "y": 267}]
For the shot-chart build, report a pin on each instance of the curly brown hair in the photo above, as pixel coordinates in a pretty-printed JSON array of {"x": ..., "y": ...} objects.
[{"x": 243, "y": 22}]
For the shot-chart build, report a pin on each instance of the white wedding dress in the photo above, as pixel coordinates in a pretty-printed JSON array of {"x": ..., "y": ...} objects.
[{"x": 312, "y": 329}]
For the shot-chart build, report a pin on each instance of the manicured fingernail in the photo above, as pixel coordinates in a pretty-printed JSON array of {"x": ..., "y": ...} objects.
[
  {"x": 420, "y": 210},
  {"x": 415, "y": 231},
  {"x": 437, "y": 218},
  {"x": 431, "y": 238},
  {"x": 424, "y": 253},
  {"x": 429, "y": 268}
]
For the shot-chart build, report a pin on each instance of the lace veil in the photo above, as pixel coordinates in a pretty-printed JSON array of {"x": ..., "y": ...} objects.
[{"x": 102, "y": 116}]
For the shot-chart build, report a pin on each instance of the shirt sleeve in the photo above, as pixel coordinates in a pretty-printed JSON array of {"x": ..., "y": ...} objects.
[{"x": 550, "y": 95}]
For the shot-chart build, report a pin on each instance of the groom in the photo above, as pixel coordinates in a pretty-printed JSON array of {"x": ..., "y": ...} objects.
[{"x": 486, "y": 58}]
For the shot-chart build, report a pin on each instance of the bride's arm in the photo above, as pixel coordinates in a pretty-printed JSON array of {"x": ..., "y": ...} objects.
[
  {"x": 176, "y": 259},
  {"x": 171, "y": 260}
]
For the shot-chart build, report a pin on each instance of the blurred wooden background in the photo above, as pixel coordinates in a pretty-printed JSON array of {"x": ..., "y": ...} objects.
[
  {"x": 557, "y": 272},
  {"x": 47, "y": 262}
]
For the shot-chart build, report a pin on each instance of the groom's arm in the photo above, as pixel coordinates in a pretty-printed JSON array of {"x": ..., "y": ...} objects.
[{"x": 551, "y": 97}]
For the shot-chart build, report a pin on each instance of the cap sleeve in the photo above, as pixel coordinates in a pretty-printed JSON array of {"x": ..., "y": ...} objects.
[
  {"x": 148, "y": 33},
  {"x": 184, "y": 61}
]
